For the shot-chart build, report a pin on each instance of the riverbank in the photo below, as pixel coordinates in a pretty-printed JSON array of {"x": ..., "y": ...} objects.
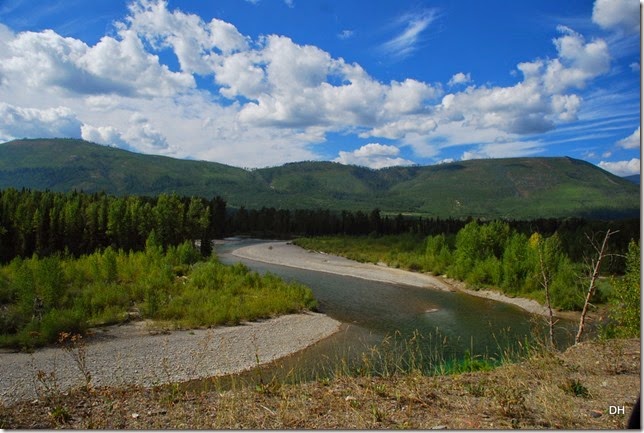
[
  {"x": 286, "y": 254},
  {"x": 141, "y": 355}
]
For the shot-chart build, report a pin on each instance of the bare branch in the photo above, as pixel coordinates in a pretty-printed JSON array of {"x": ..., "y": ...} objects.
[{"x": 596, "y": 265}]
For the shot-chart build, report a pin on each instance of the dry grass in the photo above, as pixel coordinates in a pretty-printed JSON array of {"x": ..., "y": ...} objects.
[{"x": 571, "y": 390}]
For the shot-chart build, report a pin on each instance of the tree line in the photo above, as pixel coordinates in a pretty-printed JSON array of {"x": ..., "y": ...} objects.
[{"x": 45, "y": 222}]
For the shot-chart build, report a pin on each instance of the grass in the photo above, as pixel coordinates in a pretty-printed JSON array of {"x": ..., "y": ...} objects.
[{"x": 534, "y": 393}]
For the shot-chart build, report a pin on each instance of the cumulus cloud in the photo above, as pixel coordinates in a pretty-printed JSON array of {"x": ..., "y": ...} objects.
[
  {"x": 373, "y": 155},
  {"x": 47, "y": 60},
  {"x": 272, "y": 98},
  {"x": 107, "y": 135},
  {"x": 197, "y": 44},
  {"x": 633, "y": 141},
  {"x": 399, "y": 129},
  {"x": 504, "y": 150},
  {"x": 622, "y": 15},
  {"x": 578, "y": 62},
  {"x": 19, "y": 122},
  {"x": 144, "y": 135},
  {"x": 622, "y": 168},
  {"x": 459, "y": 78},
  {"x": 534, "y": 105}
]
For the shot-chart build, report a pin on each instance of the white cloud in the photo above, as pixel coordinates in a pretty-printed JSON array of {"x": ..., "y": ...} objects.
[
  {"x": 346, "y": 34},
  {"x": 373, "y": 155},
  {"x": 633, "y": 141},
  {"x": 459, "y": 78},
  {"x": 521, "y": 109},
  {"x": 622, "y": 15},
  {"x": 107, "y": 135},
  {"x": 578, "y": 62},
  {"x": 406, "y": 42},
  {"x": 144, "y": 135},
  {"x": 537, "y": 104},
  {"x": 19, "y": 122},
  {"x": 622, "y": 168},
  {"x": 196, "y": 44},
  {"x": 399, "y": 129},
  {"x": 46, "y": 60},
  {"x": 282, "y": 97},
  {"x": 504, "y": 150}
]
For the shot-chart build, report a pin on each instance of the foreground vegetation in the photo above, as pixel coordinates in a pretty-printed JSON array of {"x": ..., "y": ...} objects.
[
  {"x": 42, "y": 297},
  {"x": 570, "y": 390}
]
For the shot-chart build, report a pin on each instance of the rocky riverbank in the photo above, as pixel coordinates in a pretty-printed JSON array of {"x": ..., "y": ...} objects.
[{"x": 140, "y": 354}]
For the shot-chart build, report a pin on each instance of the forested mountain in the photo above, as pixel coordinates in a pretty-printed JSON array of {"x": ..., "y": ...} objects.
[{"x": 510, "y": 188}]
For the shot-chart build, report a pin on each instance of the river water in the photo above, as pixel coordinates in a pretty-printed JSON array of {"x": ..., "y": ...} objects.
[{"x": 382, "y": 315}]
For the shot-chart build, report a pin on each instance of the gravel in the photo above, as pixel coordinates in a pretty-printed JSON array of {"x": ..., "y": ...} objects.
[{"x": 136, "y": 354}]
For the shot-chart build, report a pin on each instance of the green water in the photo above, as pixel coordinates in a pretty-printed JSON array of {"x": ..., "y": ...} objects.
[{"x": 373, "y": 312}]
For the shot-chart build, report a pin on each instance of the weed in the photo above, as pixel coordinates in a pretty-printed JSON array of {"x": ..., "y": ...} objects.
[
  {"x": 576, "y": 388},
  {"x": 60, "y": 415},
  {"x": 381, "y": 390},
  {"x": 476, "y": 389},
  {"x": 376, "y": 413},
  {"x": 74, "y": 345}
]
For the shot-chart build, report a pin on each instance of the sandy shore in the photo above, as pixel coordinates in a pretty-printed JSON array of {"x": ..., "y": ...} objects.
[
  {"x": 131, "y": 354},
  {"x": 287, "y": 254}
]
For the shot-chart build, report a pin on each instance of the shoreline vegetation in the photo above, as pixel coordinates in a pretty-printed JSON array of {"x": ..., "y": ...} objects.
[
  {"x": 285, "y": 253},
  {"x": 177, "y": 287}
]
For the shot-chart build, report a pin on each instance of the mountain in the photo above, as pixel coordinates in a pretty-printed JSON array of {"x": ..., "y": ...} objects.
[
  {"x": 635, "y": 178},
  {"x": 511, "y": 188}
]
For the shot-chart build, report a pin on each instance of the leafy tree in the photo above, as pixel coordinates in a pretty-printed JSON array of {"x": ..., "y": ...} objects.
[
  {"x": 515, "y": 264},
  {"x": 626, "y": 311}
]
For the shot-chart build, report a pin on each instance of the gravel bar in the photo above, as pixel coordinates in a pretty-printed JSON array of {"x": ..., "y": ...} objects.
[{"x": 135, "y": 354}]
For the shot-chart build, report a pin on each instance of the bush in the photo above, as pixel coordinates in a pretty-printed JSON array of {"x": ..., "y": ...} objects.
[{"x": 102, "y": 287}]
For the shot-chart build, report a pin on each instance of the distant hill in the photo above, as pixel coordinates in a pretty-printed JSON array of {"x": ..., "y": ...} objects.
[
  {"x": 510, "y": 188},
  {"x": 635, "y": 178}
]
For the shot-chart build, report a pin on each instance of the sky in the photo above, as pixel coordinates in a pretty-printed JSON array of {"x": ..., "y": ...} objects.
[{"x": 257, "y": 83}]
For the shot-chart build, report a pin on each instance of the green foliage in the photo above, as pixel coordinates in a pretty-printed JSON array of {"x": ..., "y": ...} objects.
[
  {"x": 102, "y": 287},
  {"x": 626, "y": 305},
  {"x": 485, "y": 255},
  {"x": 47, "y": 223},
  {"x": 576, "y": 388},
  {"x": 438, "y": 255}
]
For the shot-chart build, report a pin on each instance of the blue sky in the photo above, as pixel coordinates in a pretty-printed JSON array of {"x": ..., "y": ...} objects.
[{"x": 374, "y": 83}]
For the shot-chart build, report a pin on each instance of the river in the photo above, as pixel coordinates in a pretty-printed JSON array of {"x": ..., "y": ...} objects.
[{"x": 376, "y": 314}]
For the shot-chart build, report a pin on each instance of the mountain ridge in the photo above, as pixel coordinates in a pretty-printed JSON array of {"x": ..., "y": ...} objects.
[{"x": 526, "y": 187}]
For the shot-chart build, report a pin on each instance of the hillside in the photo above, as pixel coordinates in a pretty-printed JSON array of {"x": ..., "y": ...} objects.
[{"x": 513, "y": 188}]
